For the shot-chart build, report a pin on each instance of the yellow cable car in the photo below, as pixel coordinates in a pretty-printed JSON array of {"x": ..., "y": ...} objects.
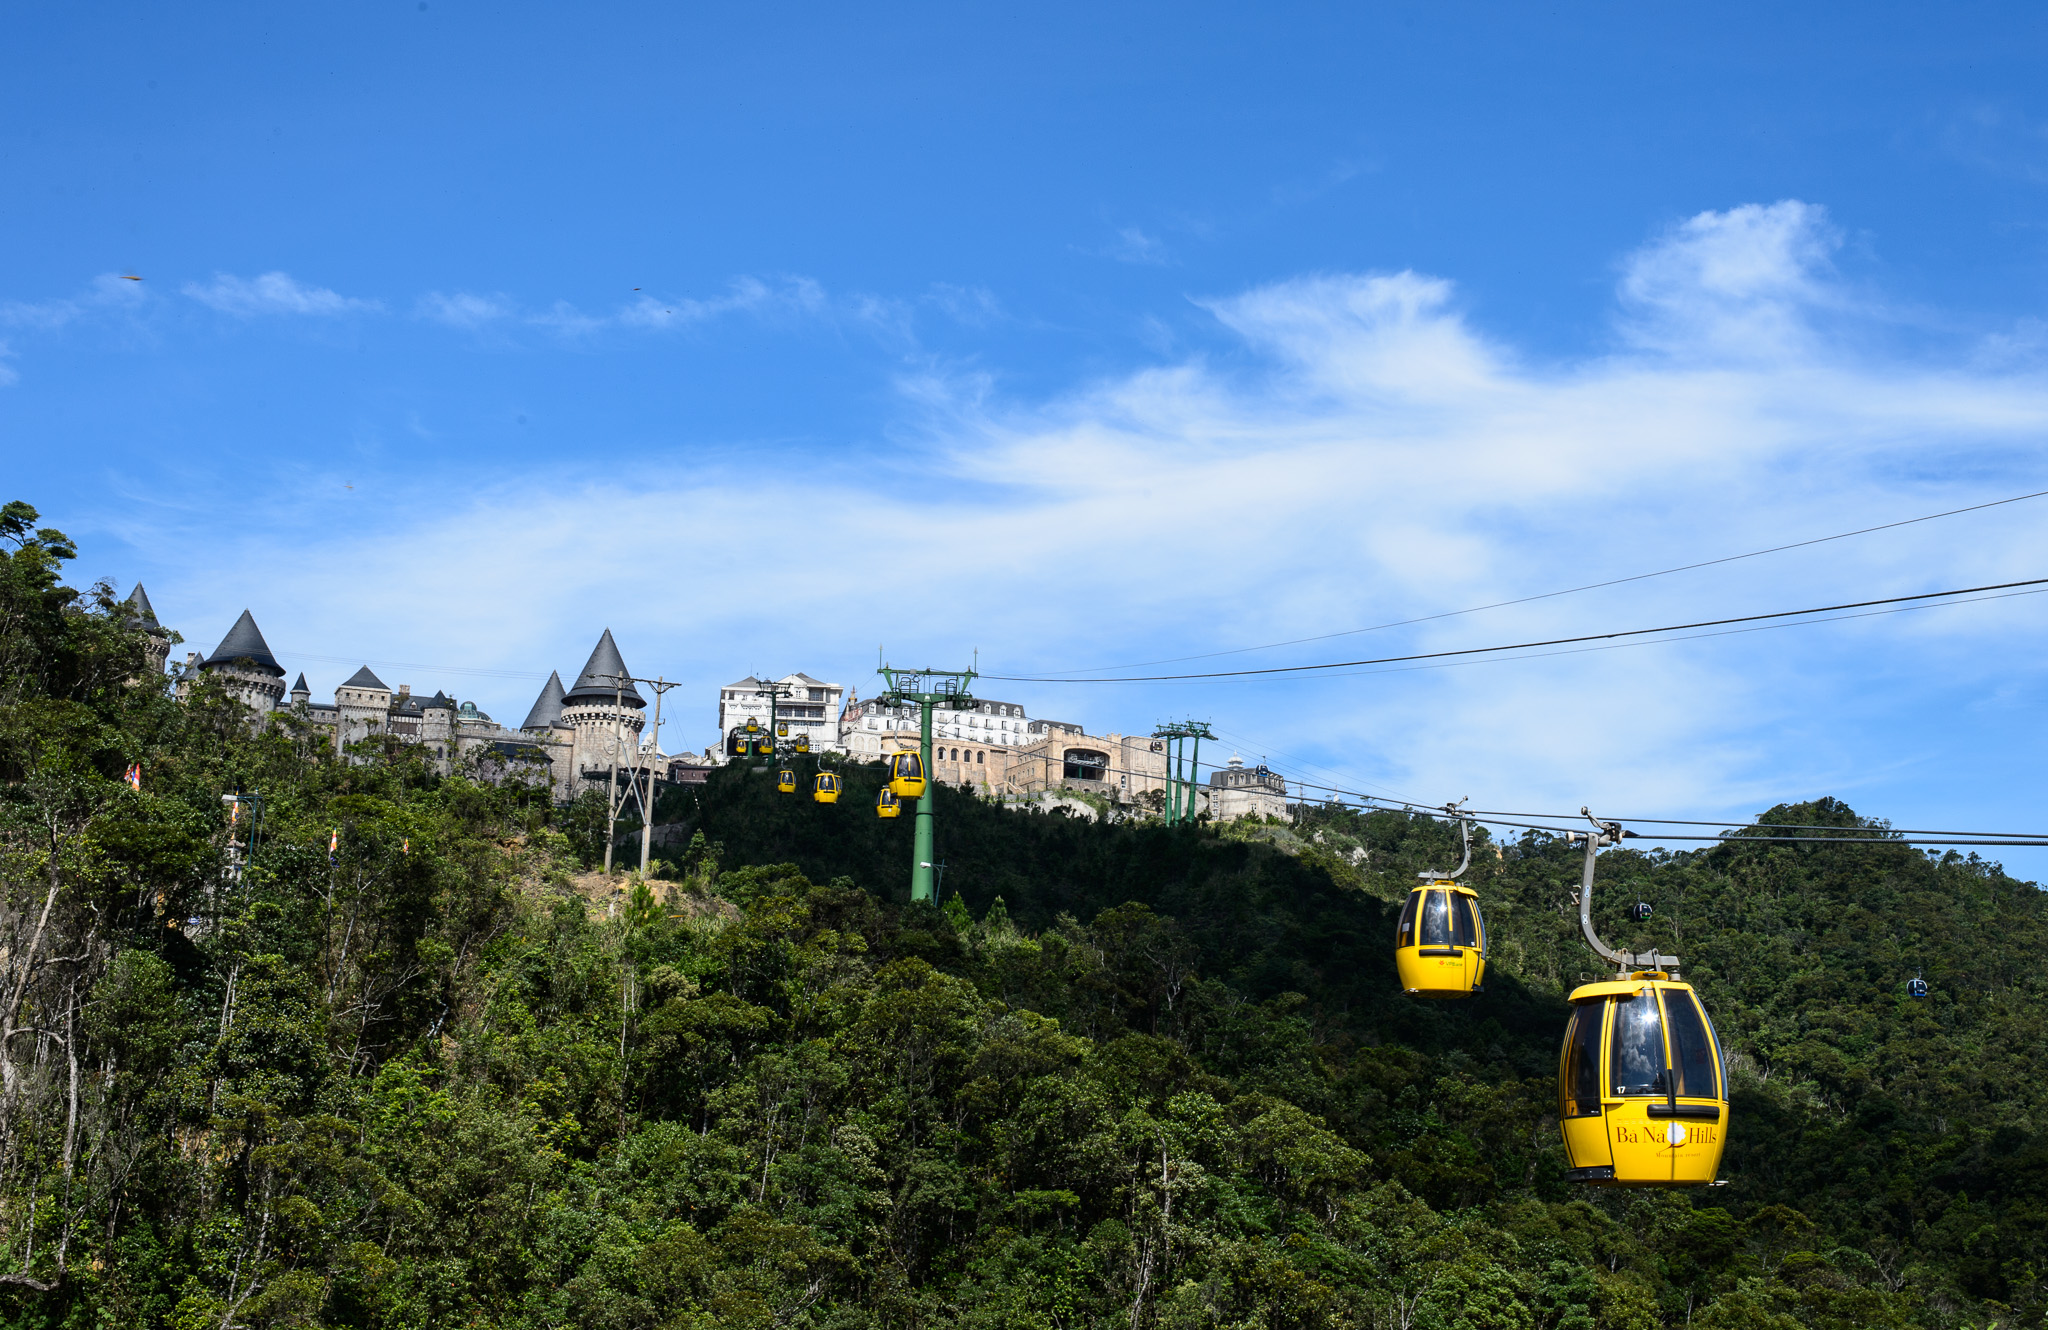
[
  {"x": 886, "y": 804},
  {"x": 802, "y": 743},
  {"x": 825, "y": 788},
  {"x": 1641, "y": 1085},
  {"x": 782, "y": 729},
  {"x": 740, "y": 746},
  {"x": 753, "y": 726},
  {"x": 764, "y": 747},
  {"x": 906, "y": 776},
  {"x": 1440, "y": 941},
  {"x": 785, "y": 781}
]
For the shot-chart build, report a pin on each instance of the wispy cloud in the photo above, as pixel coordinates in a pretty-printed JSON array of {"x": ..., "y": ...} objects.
[
  {"x": 1383, "y": 458},
  {"x": 1133, "y": 245},
  {"x": 273, "y": 293},
  {"x": 107, "y": 294},
  {"x": 969, "y": 306},
  {"x": 1998, "y": 140},
  {"x": 464, "y": 309},
  {"x": 779, "y": 300}
]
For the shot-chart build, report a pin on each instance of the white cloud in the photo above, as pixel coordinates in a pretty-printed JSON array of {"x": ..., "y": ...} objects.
[
  {"x": 1387, "y": 460},
  {"x": 1132, "y": 245},
  {"x": 108, "y": 294},
  {"x": 464, "y": 309},
  {"x": 1740, "y": 283},
  {"x": 272, "y": 293},
  {"x": 969, "y": 306}
]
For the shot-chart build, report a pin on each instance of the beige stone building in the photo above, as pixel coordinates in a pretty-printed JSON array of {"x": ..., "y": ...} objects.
[{"x": 1240, "y": 791}]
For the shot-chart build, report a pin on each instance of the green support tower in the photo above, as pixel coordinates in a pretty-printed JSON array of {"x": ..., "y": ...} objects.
[
  {"x": 1180, "y": 791},
  {"x": 926, "y": 688}
]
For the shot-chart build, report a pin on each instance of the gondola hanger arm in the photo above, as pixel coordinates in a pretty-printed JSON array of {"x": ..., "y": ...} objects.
[
  {"x": 1610, "y": 833},
  {"x": 1465, "y": 830}
]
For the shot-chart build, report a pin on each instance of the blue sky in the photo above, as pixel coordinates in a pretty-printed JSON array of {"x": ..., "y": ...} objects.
[{"x": 763, "y": 336}]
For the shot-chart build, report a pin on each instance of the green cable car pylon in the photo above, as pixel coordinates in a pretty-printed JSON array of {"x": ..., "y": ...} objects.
[
  {"x": 1180, "y": 790},
  {"x": 925, "y": 688}
]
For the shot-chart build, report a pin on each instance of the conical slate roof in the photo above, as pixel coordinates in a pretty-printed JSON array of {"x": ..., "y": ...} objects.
[
  {"x": 547, "y": 708},
  {"x": 362, "y": 678},
  {"x": 245, "y": 642},
  {"x": 139, "y": 609},
  {"x": 599, "y": 681},
  {"x": 300, "y": 686}
]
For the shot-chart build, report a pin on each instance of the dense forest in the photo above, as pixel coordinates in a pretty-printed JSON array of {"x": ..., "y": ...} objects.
[{"x": 380, "y": 1050}]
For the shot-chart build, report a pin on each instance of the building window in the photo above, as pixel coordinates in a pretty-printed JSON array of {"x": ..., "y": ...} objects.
[
  {"x": 981, "y": 757},
  {"x": 1086, "y": 764}
]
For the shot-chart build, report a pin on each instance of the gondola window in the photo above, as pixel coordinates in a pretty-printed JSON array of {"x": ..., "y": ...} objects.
[
  {"x": 1692, "y": 1050},
  {"x": 1436, "y": 920},
  {"x": 1581, "y": 1079},
  {"x": 1638, "y": 1046},
  {"x": 1464, "y": 922}
]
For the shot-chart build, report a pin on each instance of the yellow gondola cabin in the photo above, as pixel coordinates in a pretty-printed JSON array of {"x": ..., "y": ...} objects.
[
  {"x": 825, "y": 788},
  {"x": 906, "y": 776},
  {"x": 785, "y": 781},
  {"x": 1639, "y": 1085},
  {"x": 886, "y": 804},
  {"x": 1440, "y": 942}
]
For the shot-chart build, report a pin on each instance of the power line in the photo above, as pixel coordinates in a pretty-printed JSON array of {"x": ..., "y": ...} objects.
[
  {"x": 1568, "y": 591},
  {"x": 1526, "y": 646}
]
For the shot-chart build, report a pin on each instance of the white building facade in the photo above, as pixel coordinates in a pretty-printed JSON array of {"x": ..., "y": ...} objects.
[{"x": 809, "y": 707}]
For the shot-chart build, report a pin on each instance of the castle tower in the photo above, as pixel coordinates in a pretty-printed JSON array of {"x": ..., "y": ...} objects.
[
  {"x": 141, "y": 615},
  {"x": 243, "y": 665},
  {"x": 604, "y": 713},
  {"x": 544, "y": 722},
  {"x": 301, "y": 695},
  {"x": 362, "y": 707}
]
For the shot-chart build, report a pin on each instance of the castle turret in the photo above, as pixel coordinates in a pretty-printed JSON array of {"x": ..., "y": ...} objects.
[
  {"x": 604, "y": 711},
  {"x": 243, "y": 665},
  {"x": 301, "y": 695},
  {"x": 142, "y": 615},
  {"x": 547, "y": 708}
]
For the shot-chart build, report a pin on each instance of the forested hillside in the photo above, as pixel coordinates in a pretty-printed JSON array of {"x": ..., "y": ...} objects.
[{"x": 1124, "y": 1075}]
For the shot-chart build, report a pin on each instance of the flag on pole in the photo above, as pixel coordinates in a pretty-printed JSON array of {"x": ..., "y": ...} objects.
[
  {"x": 133, "y": 775},
  {"x": 333, "y": 843}
]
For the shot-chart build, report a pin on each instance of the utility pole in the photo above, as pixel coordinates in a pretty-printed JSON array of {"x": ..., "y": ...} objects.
[
  {"x": 653, "y": 746},
  {"x": 616, "y": 803},
  {"x": 615, "y": 799},
  {"x": 1180, "y": 792},
  {"x": 926, "y": 688}
]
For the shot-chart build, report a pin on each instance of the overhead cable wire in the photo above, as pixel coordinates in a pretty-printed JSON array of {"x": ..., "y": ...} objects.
[
  {"x": 1466, "y": 652},
  {"x": 1568, "y": 591},
  {"x": 1483, "y": 817},
  {"x": 1784, "y": 826}
]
